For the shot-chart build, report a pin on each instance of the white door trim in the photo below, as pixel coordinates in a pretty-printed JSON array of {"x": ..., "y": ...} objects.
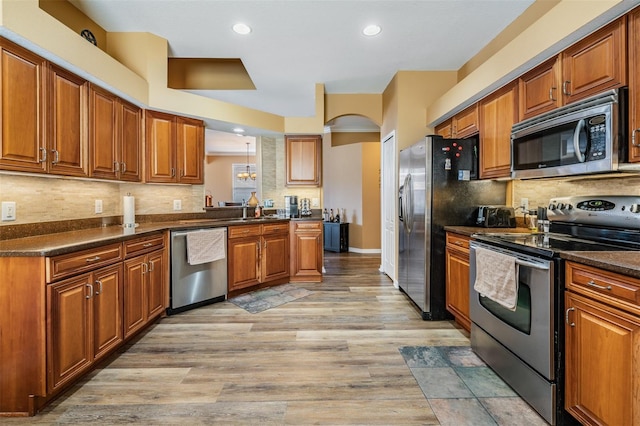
[{"x": 388, "y": 206}]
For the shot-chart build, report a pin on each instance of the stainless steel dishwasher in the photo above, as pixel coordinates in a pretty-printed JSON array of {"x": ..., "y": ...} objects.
[{"x": 194, "y": 285}]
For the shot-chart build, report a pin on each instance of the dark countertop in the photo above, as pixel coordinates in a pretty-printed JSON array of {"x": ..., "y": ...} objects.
[
  {"x": 70, "y": 241},
  {"x": 622, "y": 262}
]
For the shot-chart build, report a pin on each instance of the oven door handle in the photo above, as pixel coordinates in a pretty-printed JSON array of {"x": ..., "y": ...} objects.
[{"x": 544, "y": 267}]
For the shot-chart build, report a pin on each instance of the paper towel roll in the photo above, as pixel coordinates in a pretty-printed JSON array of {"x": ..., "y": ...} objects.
[{"x": 129, "y": 211}]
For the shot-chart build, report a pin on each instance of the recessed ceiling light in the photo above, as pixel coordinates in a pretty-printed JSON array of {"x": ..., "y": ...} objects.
[
  {"x": 241, "y": 28},
  {"x": 238, "y": 130},
  {"x": 371, "y": 30}
]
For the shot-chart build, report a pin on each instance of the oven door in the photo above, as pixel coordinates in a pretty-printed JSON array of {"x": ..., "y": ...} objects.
[{"x": 528, "y": 331}]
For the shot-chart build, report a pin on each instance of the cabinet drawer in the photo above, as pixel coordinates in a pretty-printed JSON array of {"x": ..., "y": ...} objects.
[
  {"x": 82, "y": 261},
  {"x": 307, "y": 226},
  {"x": 275, "y": 228},
  {"x": 459, "y": 242},
  {"x": 619, "y": 290},
  {"x": 244, "y": 231},
  {"x": 143, "y": 245}
]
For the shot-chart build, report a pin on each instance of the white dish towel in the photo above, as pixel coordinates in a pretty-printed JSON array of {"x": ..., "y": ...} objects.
[
  {"x": 205, "y": 246},
  {"x": 496, "y": 277}
]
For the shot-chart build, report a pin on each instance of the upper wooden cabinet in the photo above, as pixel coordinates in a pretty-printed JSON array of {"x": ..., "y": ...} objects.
[
  {"x": 115, "y": 137},
  {"x": 498, "y": 113},
  {"x": 592, "y": 65},
  {"x": 22, "y": 141},
  {"x": 175, "y": 148},
  {"x": 461, "y": 125},
  {"x": 634, "y": 85},
  {"x": 303, "y": 160}
]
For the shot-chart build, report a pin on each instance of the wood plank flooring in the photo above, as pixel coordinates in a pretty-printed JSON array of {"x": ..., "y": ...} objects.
[{"x": 329, "y": 358}]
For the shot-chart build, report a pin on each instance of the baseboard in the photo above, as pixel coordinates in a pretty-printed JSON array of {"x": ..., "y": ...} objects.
[{"x": 365, "y": 251}]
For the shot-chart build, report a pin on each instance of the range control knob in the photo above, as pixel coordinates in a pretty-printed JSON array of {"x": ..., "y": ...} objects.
[
  {"x": 552, "y": 206},
  {"x": 635, "y": 208},
  {"x": 568, "y": 206},
  {"x": 560, "y": 206}
]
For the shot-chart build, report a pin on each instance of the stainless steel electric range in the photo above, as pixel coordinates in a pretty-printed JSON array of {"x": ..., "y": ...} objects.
[{"x": 525, "y": 346}]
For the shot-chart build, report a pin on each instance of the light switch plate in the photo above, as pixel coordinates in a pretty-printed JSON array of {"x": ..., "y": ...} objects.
[
  {"x": 177, "y": 204},
  {"x": 98, "y": 207},
  {"x": 8, "y": 210},
  {"x": 524, "y": 203},
  {"x": 315, "y": 202}
]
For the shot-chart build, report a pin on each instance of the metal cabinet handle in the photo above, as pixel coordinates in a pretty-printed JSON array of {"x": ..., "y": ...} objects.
[
  {"x": 151, "y": 266},
  {"x": 90, "y": 295},
  {"x": 123, "y": 167},
  {"x": 181, "y": 172},
  {"x": 43, "y": 155},
  {"x": 173, "y": 172},
  {"x": 592, "y": 283},
  {"x": 551, "y": 98},
  {"x": 100, "y": 287},
  {"x": 116, "y": 167},
  {"x": 92, "y": 259},
  {"x": 633, "y": 137},
  {"x": 145, "y": 268},
  {"x": 566, "y": 317},
  {"x": 56, "y": 156},
  {"x": 147, "y": 245},
  {"x": 565, "y": 85},
  {"x": 458, "y": 243}
]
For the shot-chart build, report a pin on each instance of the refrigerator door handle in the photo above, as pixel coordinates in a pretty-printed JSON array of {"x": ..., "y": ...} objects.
[
  {"x": 408, "y": 197},
  {"x": 401, "y": 204}
]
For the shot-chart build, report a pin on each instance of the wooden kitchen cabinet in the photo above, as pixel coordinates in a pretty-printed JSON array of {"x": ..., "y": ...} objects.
[
  {"x": 634, "y": 84},
  {"x": 145, "y": 281},
  {"x": 457, "y": 278},
  {"x": 306, "y": 251},
  {"x": 540, "y": 89},
  {"x": 175, "y": 148},
  {"x": 461, "y": 125},
  {"x": 303, "y": 160},
  {"x": 85, "y": 322},
  {"x": 257, "y": 254},
  {"x": 602, "y": 335},
  {"x": 115, "y": 137},
  {"x": 498, "y": 113},
  {"x": 22, "y": 141}
]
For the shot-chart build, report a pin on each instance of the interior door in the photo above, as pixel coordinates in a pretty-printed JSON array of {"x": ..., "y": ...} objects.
[{"x": 389, "y": 205}]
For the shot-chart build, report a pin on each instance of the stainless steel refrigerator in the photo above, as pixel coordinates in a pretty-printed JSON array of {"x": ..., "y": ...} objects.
[{"x": 438, "y": 187}]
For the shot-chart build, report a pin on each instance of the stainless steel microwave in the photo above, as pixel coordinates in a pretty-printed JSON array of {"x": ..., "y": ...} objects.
[{"x": 581, "y": 138}]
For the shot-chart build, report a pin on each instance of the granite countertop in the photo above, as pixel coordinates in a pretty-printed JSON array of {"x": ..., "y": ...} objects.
[
  {"x": 70, "y": 241},
  {"x": 470, "y": 230}
]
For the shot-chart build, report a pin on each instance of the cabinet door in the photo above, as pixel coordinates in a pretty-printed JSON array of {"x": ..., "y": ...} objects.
[
  {"x": 68, "y": 107},
  {"x": 457, "y": 282},
  {"x": 135, "y": 306},
  {"x": 161, "y": 155},
  {"x": 22, "y": 85},
  {"x": 190, "y": 148},
  {"x": 69, "y": 329},
  {"x": 274, "y": 257},
  {"x": 595, "y": 63},
  {"x": 445, "y": 129},
  {"x": 130, "y": 128},
  {"x": 243, "y": 262},
  {"x": 107, "y": 310},
  {"x": 303, "y": 160},
  {"x": 634, "y": 85},
  {"x": 498, "y": 112},
  {"x": 602, "y": 363},
  {"x": 465, "y": 123},
  {"x": 156, "y": 282},
  {"x": 306, "y": 252},
  {"x": 103, "y": 144},
  {"x": 539, "y": 89}
]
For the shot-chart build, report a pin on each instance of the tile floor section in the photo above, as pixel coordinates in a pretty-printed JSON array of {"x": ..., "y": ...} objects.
[{"x": 462, "y": 390}]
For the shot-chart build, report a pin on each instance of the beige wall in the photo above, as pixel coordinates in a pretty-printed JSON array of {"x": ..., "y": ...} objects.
[
  {"x": 366, "y": 105},
  {"x": 371, "y": 180}
]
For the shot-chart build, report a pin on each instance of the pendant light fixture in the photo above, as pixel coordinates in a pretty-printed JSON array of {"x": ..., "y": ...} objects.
[{"x": 247, "y": 174}]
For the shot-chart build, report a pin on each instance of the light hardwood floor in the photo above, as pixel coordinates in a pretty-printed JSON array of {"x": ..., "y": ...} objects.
[{"x": 329, "y": 358}]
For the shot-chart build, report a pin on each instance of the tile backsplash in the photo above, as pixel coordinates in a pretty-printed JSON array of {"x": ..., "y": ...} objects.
[{"x": 50, "y": 198}]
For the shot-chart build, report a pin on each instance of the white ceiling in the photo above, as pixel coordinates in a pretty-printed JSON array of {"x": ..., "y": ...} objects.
[{"x": 298, "y": 43}]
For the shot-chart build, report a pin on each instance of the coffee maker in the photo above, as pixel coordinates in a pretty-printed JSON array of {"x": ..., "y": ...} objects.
[{"x": 291, "y": 205}]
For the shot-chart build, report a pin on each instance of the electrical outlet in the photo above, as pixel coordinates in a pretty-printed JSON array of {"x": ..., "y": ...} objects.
[
  {"x": 315, "y": 202},
  {"x": 177, "y": 204},
  {"x": 524, "y": 203},
  {"x": 8, "y": 210},
  {"x": 98, "y": 208}
]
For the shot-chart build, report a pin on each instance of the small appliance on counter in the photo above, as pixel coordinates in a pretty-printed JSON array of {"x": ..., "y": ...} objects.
[
  {"x": 305, "y": 207},
  {"x": 495, "y": 217},
  {"x": 291, "y": 205}
]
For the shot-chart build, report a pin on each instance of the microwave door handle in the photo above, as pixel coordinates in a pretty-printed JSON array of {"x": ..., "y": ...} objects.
[{"x": 576, "y": 140}]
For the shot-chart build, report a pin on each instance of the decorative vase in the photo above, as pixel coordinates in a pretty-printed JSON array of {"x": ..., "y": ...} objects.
[{"x": 253, "y": 201}]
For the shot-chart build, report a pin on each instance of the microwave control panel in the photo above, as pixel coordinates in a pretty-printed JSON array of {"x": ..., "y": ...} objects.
[{"x": 597, "y": 138}]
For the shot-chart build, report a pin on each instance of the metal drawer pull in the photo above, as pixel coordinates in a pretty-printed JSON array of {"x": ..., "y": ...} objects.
[
  {"x": 147, "y": 245},
  {"x": 458, "y": 243},
  {"x": 116, "y": 167},
  {"x": 90, "y": 295},
  {"x": 43, "y": 158},
  {"x": 93, "y": 259},
  {"x": 566, "y": 317},
  {"x": 592, "y": 283},
  {"x": 100, "y": 286},
  {"x": 551, "y": 98},
  {"x": 56, "y": 156},
  {"x": 151, "y": 268},
  {"x": 633, "y": 138},
  {"x": 145, "y": 268},
  {"x": 564, "y": 87},
  {"x": 123, "y": 167}
]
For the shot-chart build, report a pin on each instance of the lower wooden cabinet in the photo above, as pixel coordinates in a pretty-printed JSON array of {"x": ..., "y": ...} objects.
[
  {"x": 84, "y": 322},
  {"x": 602, "y": 333},
  {"x": 457, "y": 281},
  {"x": 257, "y": 254},
  {"x": 307, "y": 251}
]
